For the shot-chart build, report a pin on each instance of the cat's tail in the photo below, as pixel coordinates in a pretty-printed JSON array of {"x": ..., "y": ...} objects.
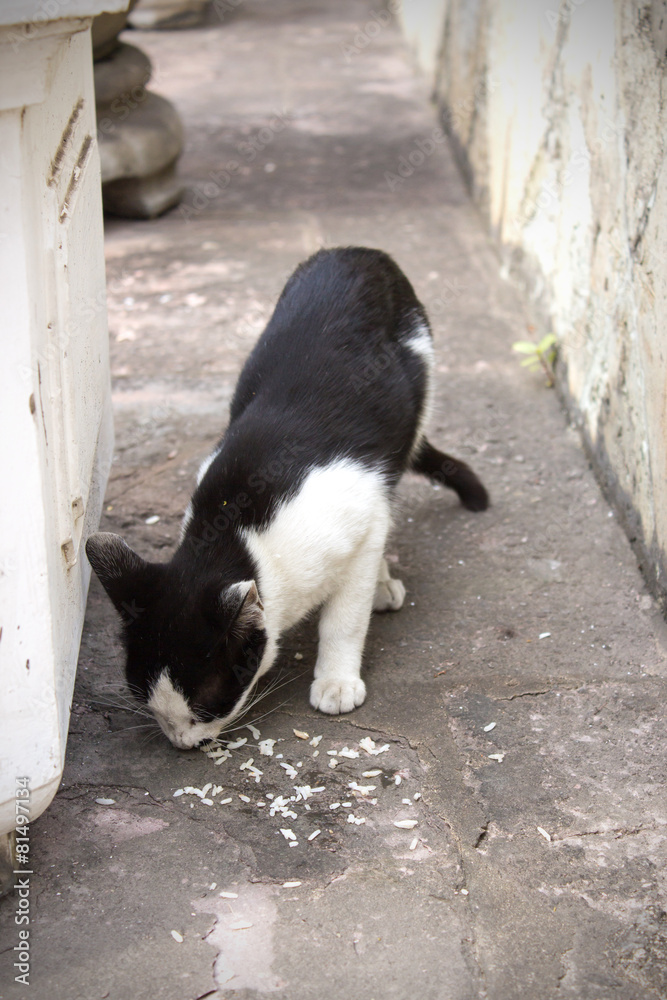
[{"x": 448, "y": 471}]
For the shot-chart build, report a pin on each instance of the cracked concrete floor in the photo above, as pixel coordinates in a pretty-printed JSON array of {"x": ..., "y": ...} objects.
[{"x": 290, "y": 135}]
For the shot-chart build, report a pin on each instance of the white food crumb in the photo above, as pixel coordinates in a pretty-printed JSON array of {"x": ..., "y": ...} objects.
[
  {"x": 223, "y": 802},
  {"x": 314, "y": 834},
  {"x": 229, "y": 895},
  {"x": 300, "y": 735},
  {"x": 266, "y": 747},
  {"x": 464, "y": 892},
  {"x": 292, "y": 771},
  {"x": 305, "y": 791},
  {"x": 414, "y": 843},
  {"x": 316, "y": 753},
  {"x": 547, "y": 836},
  {"x": 491, "y": 725},
  {"x": 496, "y": 756},
  {"x": 281, "y": 804},
  {"x": 362, "y": 789},
  {"x": 153, "y": 519},
  {"x": 371, "y": 774},
  {"x": 240, "y": 925},
  {"x": 356, "y": 819},
  {"x": 406, "y": 802},
  {"x": 290, "y": 885},
  {"x": 333, "y": 763},
  {"x": 179, "y": 791},
  {"x": 294, "y": 843},
  {"x": 346, "y": 752},
  {"x": 207, "y": 787},
  {"x": 237, "y": 743},
  {"x": 213, "y": 885},
  {"x": 335, "y": 805},
  {"x": 298, "y": 656},
  {"x": 288, "y": 834},
  {"x": 254, "y": 730},
  {"x": 315, "y": 741},
  {"x": 406, "y": 824},
  {"x": 105, "y": 802},
  {"x": 370, "y": 746},
  {"x": 177, "y": 937},
  {"x": 544, "y": 635},
  {"x": 397, "y": 779},
  {"x": 332, "y": 753},
  {"x": 417, "y": 796},
  {"x": 346, "y": 805},
  {"x": 244, "y": 798},
  {"x": 208, "y": 802},
  {"x": 223, "y": 757}
]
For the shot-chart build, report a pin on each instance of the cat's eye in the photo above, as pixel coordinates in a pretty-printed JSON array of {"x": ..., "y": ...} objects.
[{"x": 193, "y": 720}]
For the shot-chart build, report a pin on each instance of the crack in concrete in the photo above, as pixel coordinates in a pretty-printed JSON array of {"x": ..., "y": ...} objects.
[
  {"x": 535, "y": 694},
  {"x": 106, "y": 786},
  {"x": 616, "y": 832}
]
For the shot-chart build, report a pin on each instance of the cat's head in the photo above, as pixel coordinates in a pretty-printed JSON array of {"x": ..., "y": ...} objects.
[{"x": 194, "y": 651}]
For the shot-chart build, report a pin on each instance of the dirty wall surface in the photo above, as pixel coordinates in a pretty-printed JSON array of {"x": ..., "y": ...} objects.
[{"x": 557, "y": 112}]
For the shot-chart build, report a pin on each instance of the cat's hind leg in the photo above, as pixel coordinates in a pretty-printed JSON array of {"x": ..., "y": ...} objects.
[
  {"x": 389, "y": 592},
  {"x": 344, "y": 621}
]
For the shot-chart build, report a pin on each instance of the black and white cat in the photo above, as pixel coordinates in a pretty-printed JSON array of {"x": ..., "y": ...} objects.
[{"x": 291, "y": 511}]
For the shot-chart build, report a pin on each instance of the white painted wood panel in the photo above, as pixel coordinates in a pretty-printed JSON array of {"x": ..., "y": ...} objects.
[{"x": 56, "y": 432}]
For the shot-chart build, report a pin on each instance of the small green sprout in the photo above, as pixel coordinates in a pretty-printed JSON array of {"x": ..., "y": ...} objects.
[{"x": 541, "y": 355}]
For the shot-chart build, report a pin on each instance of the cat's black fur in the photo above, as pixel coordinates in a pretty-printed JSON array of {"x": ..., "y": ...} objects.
[{"x": 331, "y": 377}]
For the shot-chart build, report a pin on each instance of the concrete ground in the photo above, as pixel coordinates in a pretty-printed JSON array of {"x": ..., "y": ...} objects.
[{"x": 536, "y": 868}]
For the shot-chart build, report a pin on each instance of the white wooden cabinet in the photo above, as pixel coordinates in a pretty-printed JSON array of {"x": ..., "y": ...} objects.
[{"x": 55, "y": 415}]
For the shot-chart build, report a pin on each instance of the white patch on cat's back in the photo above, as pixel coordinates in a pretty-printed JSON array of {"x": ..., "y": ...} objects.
[
  {"x": 204, "y": 467},
  {"x": 187, "y": 517},
  {"x": 421, "y": 344},
  {"x": 313, "y": 538}
]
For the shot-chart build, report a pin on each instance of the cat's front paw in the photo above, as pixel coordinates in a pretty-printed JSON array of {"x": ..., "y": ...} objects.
[
  {"x": 335, "y": 695},
  {"x": 389, "y": 595}
]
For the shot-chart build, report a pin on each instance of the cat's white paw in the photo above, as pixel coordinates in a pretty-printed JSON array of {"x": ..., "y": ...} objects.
[
  {"x": 389, "y": 595},
  {"x": 335, "y": 695}
]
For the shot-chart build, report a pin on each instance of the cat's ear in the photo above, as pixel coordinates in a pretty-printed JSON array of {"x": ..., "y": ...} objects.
[
  {"x": 127, "y": 578},
  {"x": 242, "y": 600}
]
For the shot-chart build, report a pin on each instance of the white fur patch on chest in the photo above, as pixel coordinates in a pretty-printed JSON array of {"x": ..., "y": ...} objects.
[{"x": 314, "y": 536}]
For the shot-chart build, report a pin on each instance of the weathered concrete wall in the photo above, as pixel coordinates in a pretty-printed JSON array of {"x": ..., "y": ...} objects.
[{"x": 558, "y": 115}]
